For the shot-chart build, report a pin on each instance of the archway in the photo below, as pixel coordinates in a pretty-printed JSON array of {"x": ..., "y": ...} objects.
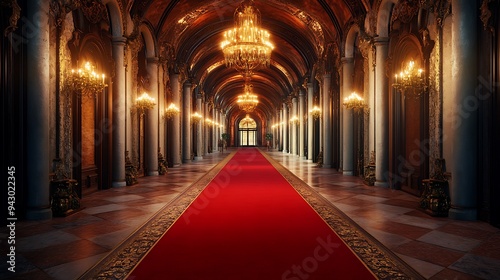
[{"x": 247, "y": 132}]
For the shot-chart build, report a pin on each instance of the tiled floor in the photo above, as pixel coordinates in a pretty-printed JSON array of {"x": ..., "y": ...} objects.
[{"x": 438, "y": 248}]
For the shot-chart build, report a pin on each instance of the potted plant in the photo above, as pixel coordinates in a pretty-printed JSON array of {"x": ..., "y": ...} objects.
[
  {"x": 225, "y": 139},
  {"x": 269, "y": 139}
]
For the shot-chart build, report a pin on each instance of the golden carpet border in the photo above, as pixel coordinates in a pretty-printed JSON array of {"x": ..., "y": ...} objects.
[
  {"x": 380, "y": 260},
  {"x": 122, "y": 260}
]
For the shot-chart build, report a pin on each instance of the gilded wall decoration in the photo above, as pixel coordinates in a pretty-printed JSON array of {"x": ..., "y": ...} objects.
[{"x": 14, "y": 17}]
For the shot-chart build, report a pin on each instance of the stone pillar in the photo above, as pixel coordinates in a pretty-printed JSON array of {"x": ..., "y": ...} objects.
[
  {"x": 119, "y": 137},
  {"x": 198, "y": 131},
  {"x": 215, "y": 137},
  {"x": 348, "y": 120},
  {"x": 175, "y": 139},
  {"x": 371, "y": 128},
  {"x": 310, "y": 122},
  {"x": 285, "y": 128},
  {"x": 302, "y": 124},
  {"x": 327, "y": 122},
  {"x": 37, "y": 114},
  {"x": 161, "y": 110},
  {"x": 280, "y": 129},
  {"x": 293, "y": 149},
  {"x": 463, "y": 129},
  {"x": 151, "y": 141},
  {"x": 381, "y": 115},
  {"x": 129, "y": 103},
  {"x": 186, "y": 125},
  {"x": 206, "y": 130}
]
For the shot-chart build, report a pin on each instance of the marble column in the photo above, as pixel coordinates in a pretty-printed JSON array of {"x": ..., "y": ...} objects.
[
  {"x": 161, "y": 110},
  {"x": 206, "y": 130},
  {"x": 463, "y": 128},
  {"x": 175, "y": 139},
  {"x": 293, "y": 129},
  {"x": 198, "y": 131},
  {"x": 37, "y": 114},
  {"x": 151, "y": 141},
  {"x": 347, "y": 118},
  {"x": 285, "y": 128},
  {"x": 119, "y": 138},
  {"x": 310, "y": 122},
  {"x": 186, "y": 123},
  {"x": 280, "y": 129},
  {"x": 302, "y": 124},
  {"x": 327, "y": 122},
  {"x": 371, "y": 127},
  {"x": 215, "y": 138},
  {"x": 381, "y": 115},
  {"x": 129, "y": 104}
]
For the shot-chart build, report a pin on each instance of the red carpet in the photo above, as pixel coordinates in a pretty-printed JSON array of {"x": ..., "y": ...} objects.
[{"x": 249, "y": 223}]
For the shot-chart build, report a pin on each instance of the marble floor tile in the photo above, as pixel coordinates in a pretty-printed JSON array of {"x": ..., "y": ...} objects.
[
  {"x": 43, "y": 240},
  {"x": 450, "y": 241},
  {"x": 482, "y": 267}
]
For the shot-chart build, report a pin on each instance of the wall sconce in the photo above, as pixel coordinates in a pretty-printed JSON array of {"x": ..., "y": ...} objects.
[
  {"x": 355, "y": 102},
  {"x": 85, "y": 81},
  {"x": 171, "y": 111},
  {"x": 294, "y": 120},
  {"x": 209, "y": 122},
  {"x": 410, "y": 80},
  {"x": 144, "y": 102},
  {"x": 196, "y": 118},
  {"x": 315, "y": 112}
]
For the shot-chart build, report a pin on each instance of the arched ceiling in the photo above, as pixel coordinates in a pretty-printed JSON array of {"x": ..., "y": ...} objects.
[{"x": 300, "y": 30}]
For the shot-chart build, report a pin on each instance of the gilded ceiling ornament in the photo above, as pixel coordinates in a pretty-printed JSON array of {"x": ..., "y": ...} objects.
[
  {"x": 94, "y": 11},
  {"x": 405, "y": 11}
]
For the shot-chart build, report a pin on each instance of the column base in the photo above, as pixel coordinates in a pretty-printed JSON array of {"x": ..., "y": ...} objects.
[
  {"x": 348, "y": 173},
  {"x": 381, "y": 184},
  {"x": 198, "y": 158},
  {"x": 176, "y": 165},
  {"x": 153, "y": 173},
  {"x": 119, "y": 184},
  {"x": 39, "y": 214},
  {"x": 467, "y": 214},
  {"x": 285, "y": 151},
  {"x": 186, "y": 161},
  {"x": 327, "y": 166}
]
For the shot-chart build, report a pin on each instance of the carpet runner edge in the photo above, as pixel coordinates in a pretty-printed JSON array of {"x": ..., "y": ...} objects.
[
  {"x": 118, "y": 263},
  {"x": 382, "y": 262},
  {"x": 377, "y": 258}
]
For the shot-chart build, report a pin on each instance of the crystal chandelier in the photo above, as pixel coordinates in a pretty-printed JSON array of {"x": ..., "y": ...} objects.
[
  {"x": 315, "y": 112},
  {"x": 144, "y": 102},
  {"x": 171, "y": 110},
  {"x": 85, "y": 81},
  {"x": 246, "y": 47},
  {"x": 354, "y": 101},
  {"x": 410, "y": 80},
  {"x": 247, "y": 101}
]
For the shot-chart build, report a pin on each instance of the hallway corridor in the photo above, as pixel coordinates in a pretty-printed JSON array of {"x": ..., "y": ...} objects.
[{"x": 438, "y": 248}]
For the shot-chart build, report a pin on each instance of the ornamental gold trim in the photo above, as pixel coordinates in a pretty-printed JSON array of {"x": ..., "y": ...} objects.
[{"x": 379, "y": 260}]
